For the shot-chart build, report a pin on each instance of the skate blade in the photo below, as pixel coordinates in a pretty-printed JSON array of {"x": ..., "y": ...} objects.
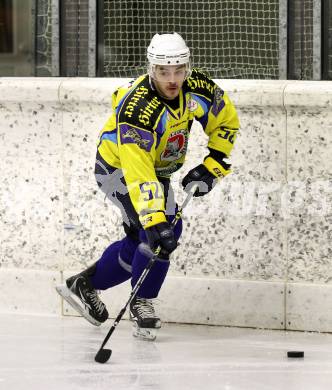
[
  {"x": 149, "y": 334},
  {"x": 66, "y": 294}
]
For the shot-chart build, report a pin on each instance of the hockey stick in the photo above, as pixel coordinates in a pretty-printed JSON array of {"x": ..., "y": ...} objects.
[{"x": 104, "y": 354}]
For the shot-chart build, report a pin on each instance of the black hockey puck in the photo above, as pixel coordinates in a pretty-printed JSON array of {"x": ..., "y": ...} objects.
[{"x": 295, "y": 354}]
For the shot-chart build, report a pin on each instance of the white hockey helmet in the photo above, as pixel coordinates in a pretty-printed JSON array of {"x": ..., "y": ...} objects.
[{"x": 168, "y": 49}]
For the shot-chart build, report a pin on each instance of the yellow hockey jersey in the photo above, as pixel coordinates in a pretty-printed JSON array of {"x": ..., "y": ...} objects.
[{"x": 147, "y": 136}]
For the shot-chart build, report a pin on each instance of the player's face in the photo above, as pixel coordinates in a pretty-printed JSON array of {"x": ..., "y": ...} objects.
[{"x": 168, "y": 79}]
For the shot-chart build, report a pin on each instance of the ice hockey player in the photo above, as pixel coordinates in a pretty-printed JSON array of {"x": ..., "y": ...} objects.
[{"x": 142, "y": 144}]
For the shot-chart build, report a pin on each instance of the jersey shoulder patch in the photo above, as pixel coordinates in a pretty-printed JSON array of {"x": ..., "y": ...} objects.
[
  {"x": 133, "y": 135},
  {"x": 141, "y": 107}
]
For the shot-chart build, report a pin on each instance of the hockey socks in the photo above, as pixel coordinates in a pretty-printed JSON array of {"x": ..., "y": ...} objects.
[
  {"x": 114, "y": 266},
  {"x": 154, "y": 279}
]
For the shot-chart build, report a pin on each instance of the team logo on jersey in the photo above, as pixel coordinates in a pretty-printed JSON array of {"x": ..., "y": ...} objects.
[
  {"x": 192, "y": 105},
  {"x": 131, "y": 135},
  {"x": 176, "y": 146}
]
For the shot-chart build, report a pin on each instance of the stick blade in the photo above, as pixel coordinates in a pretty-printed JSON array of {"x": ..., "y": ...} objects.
[{"x": 103, "y": 355}]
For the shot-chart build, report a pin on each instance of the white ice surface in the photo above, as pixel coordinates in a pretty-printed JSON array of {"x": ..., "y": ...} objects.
[{"x": 53, "y": 353}]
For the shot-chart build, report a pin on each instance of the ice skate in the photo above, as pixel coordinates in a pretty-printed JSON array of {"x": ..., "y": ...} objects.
[
  {"x": 146, "y": 323},
  {"x": 83, "y": 298}
]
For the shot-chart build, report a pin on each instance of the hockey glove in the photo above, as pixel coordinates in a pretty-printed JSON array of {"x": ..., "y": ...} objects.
[
  {"x": 159, "y": 232},
  {"x": 205, "y": 176}
]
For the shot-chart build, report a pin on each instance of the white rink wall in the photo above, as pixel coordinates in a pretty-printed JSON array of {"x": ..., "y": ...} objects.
[{"x": 255, "y": 252}]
